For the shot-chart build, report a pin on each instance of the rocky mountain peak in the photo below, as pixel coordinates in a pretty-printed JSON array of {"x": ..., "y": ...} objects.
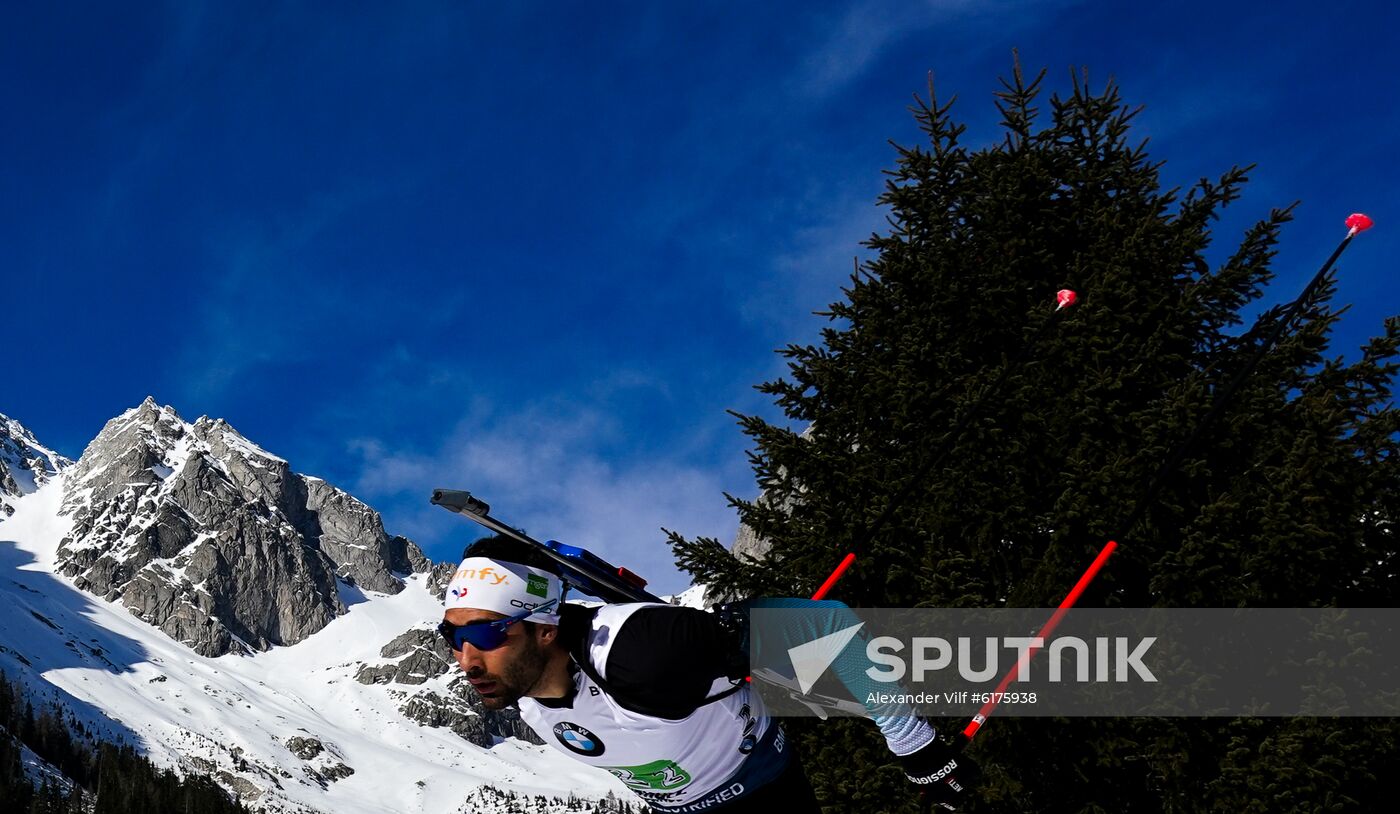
[
  {"x": 206, "y": 535},
  {"x": 25, "y": 464}
]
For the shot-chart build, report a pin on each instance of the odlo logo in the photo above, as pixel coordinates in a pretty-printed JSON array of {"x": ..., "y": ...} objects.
[{"x": 578, "y": 739}]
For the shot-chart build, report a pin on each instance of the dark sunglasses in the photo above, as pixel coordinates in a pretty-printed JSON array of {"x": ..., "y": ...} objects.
[{"x": 485, "y": 635}]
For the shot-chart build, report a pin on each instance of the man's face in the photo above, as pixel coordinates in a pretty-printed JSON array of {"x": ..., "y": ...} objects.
[{"x": 507, "y": 673}]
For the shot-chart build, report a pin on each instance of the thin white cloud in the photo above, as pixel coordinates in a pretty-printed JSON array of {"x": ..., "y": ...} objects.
[
  {"x": 817, "y": 259},
  {"x": 864, "y": 32},
  {"x": 850, "y": 46},
  {"x": 545, "y": 470}
]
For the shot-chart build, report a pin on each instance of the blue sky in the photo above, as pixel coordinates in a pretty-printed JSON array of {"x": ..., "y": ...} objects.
[{"x": 536, "y": 250}]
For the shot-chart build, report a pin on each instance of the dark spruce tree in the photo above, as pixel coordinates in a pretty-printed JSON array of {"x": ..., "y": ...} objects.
[{"x": 1286, "y": 501}]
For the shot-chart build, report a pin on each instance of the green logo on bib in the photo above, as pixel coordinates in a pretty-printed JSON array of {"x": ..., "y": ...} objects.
[{"x": 659, "y": 775}]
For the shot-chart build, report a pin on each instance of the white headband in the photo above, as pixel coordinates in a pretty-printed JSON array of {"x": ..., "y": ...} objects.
[{"x": 504, "y": 587}]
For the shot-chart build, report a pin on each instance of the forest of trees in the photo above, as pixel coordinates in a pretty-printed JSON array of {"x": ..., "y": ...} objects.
[
  {"x": 106, "y": 778},
  {"x": 1287, "y": 500}
]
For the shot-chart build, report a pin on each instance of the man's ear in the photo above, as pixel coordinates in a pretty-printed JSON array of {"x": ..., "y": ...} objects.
[{"x": 548, "y": 634}]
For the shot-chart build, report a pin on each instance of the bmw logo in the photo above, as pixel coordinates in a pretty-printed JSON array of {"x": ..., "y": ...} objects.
[{"x": 577, "y": 739}]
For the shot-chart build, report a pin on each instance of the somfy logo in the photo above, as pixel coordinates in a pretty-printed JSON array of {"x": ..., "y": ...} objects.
[{"x": 487, "y": 573}]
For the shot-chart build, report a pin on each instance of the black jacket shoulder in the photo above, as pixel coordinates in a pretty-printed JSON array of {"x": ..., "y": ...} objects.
[{"x": 663, "y": 661}]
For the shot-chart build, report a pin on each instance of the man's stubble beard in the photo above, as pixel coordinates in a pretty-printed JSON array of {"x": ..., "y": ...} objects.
[{"x": 519, "y": 677}]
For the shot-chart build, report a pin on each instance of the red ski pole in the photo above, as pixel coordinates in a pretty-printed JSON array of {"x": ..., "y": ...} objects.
[
  {"x": 981, "y": 717},
  {"x": 835, "y": 575},
  {"x": 1355, "y": 224}
]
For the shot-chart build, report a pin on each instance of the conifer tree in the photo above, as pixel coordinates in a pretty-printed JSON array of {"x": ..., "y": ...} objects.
[{"x": 1286, "y": 501}]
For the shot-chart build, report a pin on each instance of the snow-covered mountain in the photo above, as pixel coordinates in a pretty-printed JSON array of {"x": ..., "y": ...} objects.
[
  {"x": 25, "y": 464},
  {"x": 200, "y": 532},
  {"x": 180, "y": 588}
]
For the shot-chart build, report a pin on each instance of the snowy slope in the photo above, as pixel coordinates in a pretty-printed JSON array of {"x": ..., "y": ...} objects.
[
  {"x": 234, "y": 716},
  {"x": 25, "y": 464},
  {"x": 692, "y": 597}
]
